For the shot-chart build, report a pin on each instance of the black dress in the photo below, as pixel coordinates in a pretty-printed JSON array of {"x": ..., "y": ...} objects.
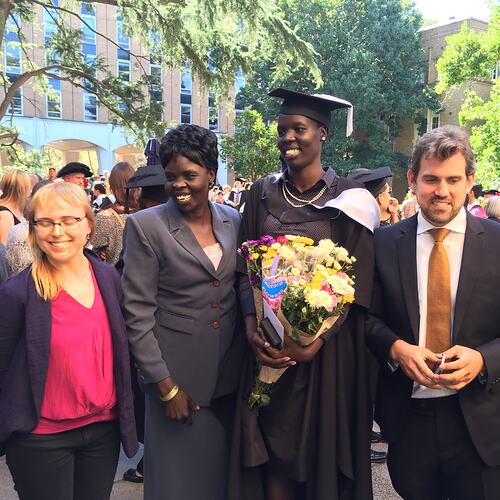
[
  {"x": 5, "y": 209},
  {"x": 316, "y": 429}
]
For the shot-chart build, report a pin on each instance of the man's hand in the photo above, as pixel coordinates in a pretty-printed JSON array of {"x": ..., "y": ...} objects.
[
  {"x": 415, "y": 361},
  {"x": 465, "y": 364}
]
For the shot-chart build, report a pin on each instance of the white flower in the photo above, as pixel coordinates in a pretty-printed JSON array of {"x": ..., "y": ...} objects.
[
  {"x": 327, "y": 245},
  {"x": 286, "y": 252},
  {"x": 340, "y": 286},
  {"x": 318, "y": 298},
  {"x": 341, "y": 254}
]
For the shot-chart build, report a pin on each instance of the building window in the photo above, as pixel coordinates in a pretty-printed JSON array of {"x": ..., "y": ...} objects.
[
  {"x": 186, "y": 96},
  {"x": 186, "y": 114},
  {"x": 54, "y": 101},
  {"x": 12, "y": 64},
  {"x": 213, "y": 114},
  {"x": 496, "y": 71},
  {"x": 124, "y": 70},
  {"x": 121, "y": 38},
  {"x": 87, "y": 12},
  {"x": 433, "y": 120},
  {"x": 156, "y": 88},
  {"x": 88, "y": 84},
  {"x": 49, "y": 22},
  {"x": 16, "y": 103},
  {"x": 90, "y": 108},
  {"x": 239, "y": 83}
]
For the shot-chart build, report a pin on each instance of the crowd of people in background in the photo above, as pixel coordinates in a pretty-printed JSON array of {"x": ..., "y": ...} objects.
[{"x": 177, "y": 254}]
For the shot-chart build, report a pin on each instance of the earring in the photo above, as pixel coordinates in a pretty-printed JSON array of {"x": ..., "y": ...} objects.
[{"x": 323, "y": 139}]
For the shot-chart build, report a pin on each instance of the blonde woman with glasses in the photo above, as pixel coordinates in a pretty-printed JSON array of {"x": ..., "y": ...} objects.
[{"x": 65, "y": 395}]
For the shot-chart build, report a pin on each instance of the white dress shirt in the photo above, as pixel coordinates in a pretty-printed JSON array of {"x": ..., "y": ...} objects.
[{"x": 454, "y": 245}]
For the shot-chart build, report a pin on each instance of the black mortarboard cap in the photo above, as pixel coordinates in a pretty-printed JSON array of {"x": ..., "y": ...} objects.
[
  {"x": 75, "y": 167},
  {"x": 373, "y": 179},
  {"x": 151, "y": 175},
  {"x": 491, "y": 191},
  {"x": 318, "y": 107}
]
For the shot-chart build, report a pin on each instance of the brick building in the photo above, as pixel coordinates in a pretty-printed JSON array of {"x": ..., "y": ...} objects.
[
  {"x": 434, "y": 43},
  {"x": 72, "y": 121}
]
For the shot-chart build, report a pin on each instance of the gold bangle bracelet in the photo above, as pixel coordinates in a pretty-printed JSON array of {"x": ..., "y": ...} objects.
[{"x": 171, "y": 395}]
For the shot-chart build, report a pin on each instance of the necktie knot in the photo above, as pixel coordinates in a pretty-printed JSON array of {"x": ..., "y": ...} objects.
[{"x": 439, "y": 234}]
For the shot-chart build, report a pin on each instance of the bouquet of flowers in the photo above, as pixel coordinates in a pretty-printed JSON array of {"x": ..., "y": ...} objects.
[{"x": 305, "y": 285}]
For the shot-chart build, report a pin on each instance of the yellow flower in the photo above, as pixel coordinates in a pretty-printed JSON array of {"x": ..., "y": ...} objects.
[
  {"x": 275, "y": 246},
  {"x": 295, "y": 271},
  {"x": 306, "y": 241},
  {"x": 263, "y": 248},
  {"x": 255, "y": 256},
  {"x": 302, "y": 282}
]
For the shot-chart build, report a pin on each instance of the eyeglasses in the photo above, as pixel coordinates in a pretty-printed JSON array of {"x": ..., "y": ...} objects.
[{"x": 66, "y": 223}]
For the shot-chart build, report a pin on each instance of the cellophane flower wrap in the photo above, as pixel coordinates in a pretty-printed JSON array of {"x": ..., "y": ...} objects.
[{"x": 306, "y": 285}]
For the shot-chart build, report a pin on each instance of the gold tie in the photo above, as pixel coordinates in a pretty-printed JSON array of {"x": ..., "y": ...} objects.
[{"x": 438, "y": 333}]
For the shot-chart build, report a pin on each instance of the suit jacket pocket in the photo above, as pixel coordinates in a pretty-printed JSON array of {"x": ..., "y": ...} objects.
[{"x": 177, "y": 322}]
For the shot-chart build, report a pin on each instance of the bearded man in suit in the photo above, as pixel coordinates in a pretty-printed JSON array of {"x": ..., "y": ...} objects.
[{"x": 435, "y": 327}]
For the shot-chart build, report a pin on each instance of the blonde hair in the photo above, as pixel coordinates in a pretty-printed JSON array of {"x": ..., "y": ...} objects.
[
  {"x": 42, "y": 271},
  {"x": 15, "y": 186}
]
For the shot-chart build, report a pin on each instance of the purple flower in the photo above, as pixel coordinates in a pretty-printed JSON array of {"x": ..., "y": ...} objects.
[{"x": 267, "y": 240}]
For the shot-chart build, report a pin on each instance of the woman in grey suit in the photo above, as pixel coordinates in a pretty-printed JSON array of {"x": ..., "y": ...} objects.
[{"x": 180, "y": 308}]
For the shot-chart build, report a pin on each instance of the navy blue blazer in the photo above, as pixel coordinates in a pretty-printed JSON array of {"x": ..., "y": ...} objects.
[{"x": 25, "y": 329}]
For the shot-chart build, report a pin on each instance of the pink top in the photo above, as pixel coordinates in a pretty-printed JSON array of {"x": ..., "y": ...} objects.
[{"x": 80, "y": 387}]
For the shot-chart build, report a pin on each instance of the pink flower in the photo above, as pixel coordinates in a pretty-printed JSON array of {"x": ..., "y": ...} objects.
[{"x": 281, "y": 240}]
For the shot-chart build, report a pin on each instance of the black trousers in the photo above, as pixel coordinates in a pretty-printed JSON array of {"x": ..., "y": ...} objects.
[
  {"x": 435, "y": 459},
  {"x": 79, "y": 464}
]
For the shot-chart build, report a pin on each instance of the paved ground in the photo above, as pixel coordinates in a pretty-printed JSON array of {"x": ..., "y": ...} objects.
[{"x": 123, "y": 490}]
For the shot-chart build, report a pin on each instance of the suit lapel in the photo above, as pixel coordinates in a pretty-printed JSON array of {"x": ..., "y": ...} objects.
[
  {"x": 185, "y": 237},
  {"x": 473, "y": 247},
  {"x": 407, "y": 261},
  {"x": 38, "y": 333}
]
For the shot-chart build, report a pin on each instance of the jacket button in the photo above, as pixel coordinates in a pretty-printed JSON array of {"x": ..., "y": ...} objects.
[
  {"x": 215, "y": 305},
  {"x": 215, "y": 325},
  {"x": 216, "y": 283}
]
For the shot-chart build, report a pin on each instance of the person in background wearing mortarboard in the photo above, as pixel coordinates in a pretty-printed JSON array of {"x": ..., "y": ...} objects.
[
  {"x": 312, "y": 441},
  {"x": 234, "y": 198},
  {"x": 376, "y": 182}
]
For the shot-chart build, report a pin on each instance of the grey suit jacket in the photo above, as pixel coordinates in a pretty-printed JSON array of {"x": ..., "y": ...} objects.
[{"x": 180, "y": 312}]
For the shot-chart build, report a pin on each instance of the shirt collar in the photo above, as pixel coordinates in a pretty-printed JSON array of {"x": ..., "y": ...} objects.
[
  {"x": 327, "y": 178},
  {"x": 457, "y": 225}
]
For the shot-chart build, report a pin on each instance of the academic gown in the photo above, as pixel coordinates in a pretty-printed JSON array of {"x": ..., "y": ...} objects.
[{"x": 316, "y": 430}]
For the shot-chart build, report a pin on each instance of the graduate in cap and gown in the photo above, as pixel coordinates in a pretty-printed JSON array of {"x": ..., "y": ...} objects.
[
  {"x": 313, "y": 440},
  {"x": 376, "y": 181}
]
